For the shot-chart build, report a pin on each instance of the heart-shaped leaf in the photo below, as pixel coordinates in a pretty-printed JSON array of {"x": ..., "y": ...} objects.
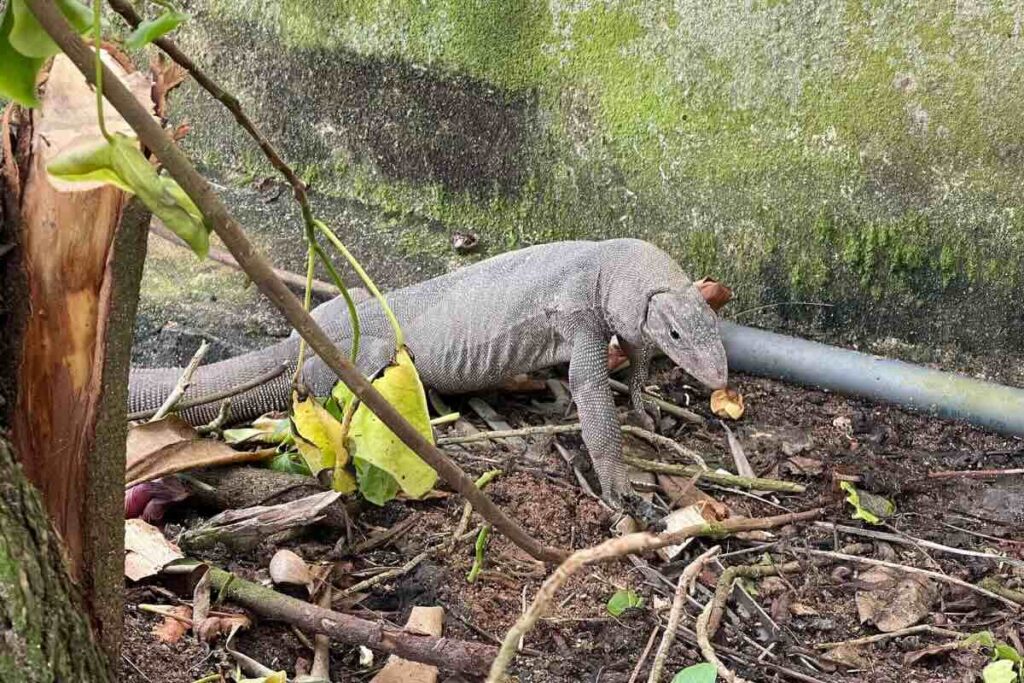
[
  {"x": 152, "y": 29},
  {"x": 371, "y": 440},
  {"x": 18, "y": 73},
  {"x": 698, "y": 673},
  {"x": 120, "y": 162},
  {"x": 999, "y": 672},
  {"x": 623, "y": 600},
  {"x": 30, "y": 39}
]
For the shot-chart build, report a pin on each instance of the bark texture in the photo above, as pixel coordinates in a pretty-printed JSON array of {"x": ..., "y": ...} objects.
[
  {"x": 44, "y": 633},
  {"x": 77, "y": 262}
]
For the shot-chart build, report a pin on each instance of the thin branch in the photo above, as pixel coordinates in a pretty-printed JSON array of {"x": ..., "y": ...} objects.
[
  {"x": 708, "y": 650},
  {"x": 643, "y": 655},
  {"x": 721, "y": 478},
  {"x": 324, "y": 290},
  {"x": 216, "y": 214},
  {"x": 974, "y": 474},
  {"x": 683, "y": 588},
  {"x": 903, "y": 539},
  {"x": 655, "y": 439},
  {"x": 666, "y": 406},
  {"x": 619, "y": 547},
  {"x": 910, "y": 570},
  {"x": 880, "y": 637},
  {"x": 183, "y": 382},
  {"x": 404, "y": 569},
  {"x": 216, "y": 396}
]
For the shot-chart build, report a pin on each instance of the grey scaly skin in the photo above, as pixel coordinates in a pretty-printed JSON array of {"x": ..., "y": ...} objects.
[{"x": 513, "y": 313}]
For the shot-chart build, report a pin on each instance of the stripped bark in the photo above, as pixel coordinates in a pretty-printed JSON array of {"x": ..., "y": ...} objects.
[{"x": 79, "y": 251}]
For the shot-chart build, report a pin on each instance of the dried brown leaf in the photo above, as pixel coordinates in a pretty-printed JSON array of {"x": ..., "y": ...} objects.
[{"x": 171, "y": 445}]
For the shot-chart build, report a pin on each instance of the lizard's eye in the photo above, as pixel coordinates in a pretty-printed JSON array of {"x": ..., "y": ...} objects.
[{"x": 673, "y": 334}]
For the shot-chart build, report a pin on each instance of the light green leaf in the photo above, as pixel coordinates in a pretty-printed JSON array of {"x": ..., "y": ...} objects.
[
  {"x": 30, "y": 39},
  {"x": 698, "y": 673},
  {"x": 152, "y": 29},
  {"x": 981, "y": 638},
  {"x": 162, "y": 196},
  {"x": 623, "y": 600},
  {"x": 373, "y": 442},
  {"x": 376, "y": 485},
  {"x": 18, "y": 73},
  {"x": 289, "y": 462},
  {"x": 120, "y": 163},
  {"x": 999, "y": 672},
  {"x": 263, "y": 430},
  {"x": 868, "y": 507},
  {"x": 1007, "y": 652},
  {"x": 92, "y": 163},
  {"x": 318, "y": 435}
]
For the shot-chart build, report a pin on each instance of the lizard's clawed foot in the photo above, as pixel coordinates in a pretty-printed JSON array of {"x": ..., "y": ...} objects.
[{"x": 643, "y": 512}]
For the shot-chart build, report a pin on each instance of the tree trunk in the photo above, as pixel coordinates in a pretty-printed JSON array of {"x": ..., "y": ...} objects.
[
  {"x": 45, "y": 636},
  {"x": 71, "y": 293}
]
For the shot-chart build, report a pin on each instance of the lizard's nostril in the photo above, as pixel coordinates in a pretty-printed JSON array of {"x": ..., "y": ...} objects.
[{"x": 674, "y": 334}]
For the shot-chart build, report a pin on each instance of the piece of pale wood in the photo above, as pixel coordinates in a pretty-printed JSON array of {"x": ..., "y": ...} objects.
[{"x": 424, "y": 620}]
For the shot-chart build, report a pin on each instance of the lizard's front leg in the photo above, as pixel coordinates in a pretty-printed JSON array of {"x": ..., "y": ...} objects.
[
  {"x": 588, "y": 381},
  {"x": 639, "y": 372}
]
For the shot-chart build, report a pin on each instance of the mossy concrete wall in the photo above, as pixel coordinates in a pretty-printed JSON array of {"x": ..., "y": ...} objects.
[{"x": 861, "y": 153}]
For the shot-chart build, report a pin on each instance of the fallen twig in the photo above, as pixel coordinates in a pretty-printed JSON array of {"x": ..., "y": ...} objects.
[
  {"x": 910, "y": 570},
  {"x": 973, "y": 474},
  {"x": 879, "y": 637},
  {"x": 447, "y": 653},
  {"x": 214, "y": 426},
  {"x": 665, "y": 406},
  {"x": 724, "y": 587},
  {"x": 919, "y": 542},
  {"x": 217, "y": 396},
  {"x": 217, "y": 216},
  {"x": 683, "y": 588},
  {"x": 643, "y": 655},
  {"x": 324, "y": 290},
  {"x": 990, "y": 583},
  {"x": 722, "y": 478},
  {"x": 183, "y": 382},
  {"x": 618, "y": 547},
  {"x": 655, "y": 439},
  {"x": 398, "y": 571},
  {"x": 707, "y": 650}
]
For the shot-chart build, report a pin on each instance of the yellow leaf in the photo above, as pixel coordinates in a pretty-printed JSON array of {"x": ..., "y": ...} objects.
[
  {"x": 727, "y": 403},
  {"x": 318, "y": 435},
  {"x": 373, "y": 442}
]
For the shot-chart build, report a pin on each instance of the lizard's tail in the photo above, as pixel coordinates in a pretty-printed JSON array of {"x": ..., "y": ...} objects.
[{"x": 148, "y": 388}]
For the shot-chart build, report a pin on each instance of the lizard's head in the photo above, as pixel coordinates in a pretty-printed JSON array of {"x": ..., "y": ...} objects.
[{"x": 682, "y": 324}]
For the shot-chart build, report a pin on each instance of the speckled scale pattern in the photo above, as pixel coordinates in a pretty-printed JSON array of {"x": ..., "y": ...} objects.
[{"x": 472, "y": 328}]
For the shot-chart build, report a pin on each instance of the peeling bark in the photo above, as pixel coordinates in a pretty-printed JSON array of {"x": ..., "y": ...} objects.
[{"x": 72, "y": 288}]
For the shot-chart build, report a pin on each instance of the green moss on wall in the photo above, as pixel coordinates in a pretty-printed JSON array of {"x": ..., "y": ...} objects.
[{"x": 844, "y": 151}]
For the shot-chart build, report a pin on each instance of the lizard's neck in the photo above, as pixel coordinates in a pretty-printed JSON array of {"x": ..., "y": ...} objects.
[{"x": 631, "y": 273}]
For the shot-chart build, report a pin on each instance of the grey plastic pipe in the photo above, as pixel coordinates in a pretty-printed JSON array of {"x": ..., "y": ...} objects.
[{"x": 985, "y": 404}]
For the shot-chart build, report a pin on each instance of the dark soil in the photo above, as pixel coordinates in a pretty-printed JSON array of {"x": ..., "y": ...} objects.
[{"x": 792, "y": 433}]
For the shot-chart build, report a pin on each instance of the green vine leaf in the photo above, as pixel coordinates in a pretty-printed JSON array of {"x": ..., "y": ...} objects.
[
  {"x": 623, "y": 600},
  {"x": 999, "y": 672},
  {"x": 373, "y": 443},
  {"x": 153, "y": 29},
  {"x": 119, "y": 162},
  {"x": 18, "y": 74},
  {"x": 698, "y": 673},
  {"x": 29, "y": 38}
]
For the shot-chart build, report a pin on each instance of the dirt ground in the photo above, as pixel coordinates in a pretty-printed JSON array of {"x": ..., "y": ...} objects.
[{"x": 772, "y": 626}]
